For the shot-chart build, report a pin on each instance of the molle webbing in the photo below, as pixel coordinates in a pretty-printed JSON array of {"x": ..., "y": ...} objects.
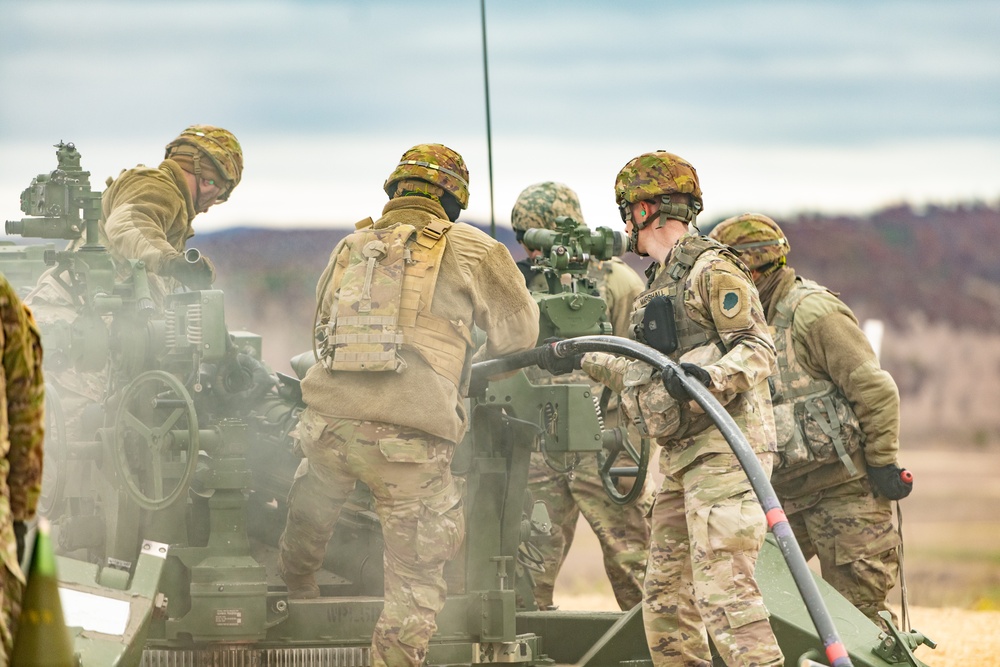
[
  {"x": 793, "y": 384},
  {"x": 363, "y": 333},
  {"x": 383, "y": 299},
  {"x": 690, "y": 334}
]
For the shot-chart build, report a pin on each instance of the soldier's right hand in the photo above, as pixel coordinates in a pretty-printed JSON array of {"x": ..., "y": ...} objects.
[
  {"x": 674, "y": 385},
  {"x": 196, "y": 275}
]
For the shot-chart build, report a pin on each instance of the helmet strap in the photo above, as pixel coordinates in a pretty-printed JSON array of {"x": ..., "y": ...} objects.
[
  {"x": 633, "y": 237},
  {"x": 682, "y": 212}
]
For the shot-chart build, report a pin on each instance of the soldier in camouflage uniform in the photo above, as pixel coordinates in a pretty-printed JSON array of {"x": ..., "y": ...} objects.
[
  {"x": 147, "y": 214},
  {"x": 21, "y": 429},
  {"x": 385, "y": 401},
  {"x": 623, "y": 531},
  {"x": 707, "y": 524},
  {"x": 837, "y": 418}
]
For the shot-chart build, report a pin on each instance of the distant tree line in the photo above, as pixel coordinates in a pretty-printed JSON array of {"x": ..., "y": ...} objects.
[{"x": 904, "y": 265}]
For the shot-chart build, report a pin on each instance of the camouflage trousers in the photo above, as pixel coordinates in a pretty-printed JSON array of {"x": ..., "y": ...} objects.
[
  {"x": 419, "y": 505},
  {"x": 12, "y": 592},
  {"x": 707, "y": 529},
  {"x": 623, "y": 531},
  {"x": 852, "y": 533}
]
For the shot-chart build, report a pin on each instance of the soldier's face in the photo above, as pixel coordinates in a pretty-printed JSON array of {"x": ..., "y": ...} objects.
[{"x": 208, "y": 193}]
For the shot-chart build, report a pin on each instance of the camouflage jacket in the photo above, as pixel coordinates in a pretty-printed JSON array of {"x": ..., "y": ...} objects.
[
  {"x": 478, "y": 284},
  {"x": 22, "y": 418},
  {"x": 719, "y": 297},
  {"x": 829, "y": 346}
]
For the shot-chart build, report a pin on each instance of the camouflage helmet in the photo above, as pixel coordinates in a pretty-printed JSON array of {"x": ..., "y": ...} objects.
[
  {"x": 757, "y": 238},
  {"x": 436, "y": 164},
  {"x": 538, "y": 206},
  {"x": 219, "y": 145},
  {"x": 654, "y": 174}
]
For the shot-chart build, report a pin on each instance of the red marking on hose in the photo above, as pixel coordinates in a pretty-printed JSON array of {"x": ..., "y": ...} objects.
[
  {"x": 906, "y": 476},
  {"x": 777, "y": 515},
  {"x": 835, "y": 652}
]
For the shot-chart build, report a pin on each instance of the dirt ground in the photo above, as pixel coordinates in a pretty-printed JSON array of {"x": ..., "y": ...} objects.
[{"x": 951, "y": 532}]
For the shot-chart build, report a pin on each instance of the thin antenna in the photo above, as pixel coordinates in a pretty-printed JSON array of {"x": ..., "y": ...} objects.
[{"x": 489, "y": 131}]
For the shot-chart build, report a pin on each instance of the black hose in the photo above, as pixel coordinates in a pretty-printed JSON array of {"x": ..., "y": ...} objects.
[{"x": 836, "y": 652}]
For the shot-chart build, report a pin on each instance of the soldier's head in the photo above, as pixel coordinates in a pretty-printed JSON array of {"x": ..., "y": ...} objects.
[
  {"x": 214, "y": 159},
  {"x": 538, "y": 206},
  {"x": 657, "y": 186},
  {"x": 757, "y": 238},
  {"x": 434, "y": 171}
]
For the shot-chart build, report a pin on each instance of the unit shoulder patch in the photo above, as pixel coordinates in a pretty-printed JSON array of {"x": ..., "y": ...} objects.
[{"x": 730, "y": 302}]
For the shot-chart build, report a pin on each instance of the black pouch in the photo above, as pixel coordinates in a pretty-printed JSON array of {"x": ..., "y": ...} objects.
[{"x": 657, "y": 328}]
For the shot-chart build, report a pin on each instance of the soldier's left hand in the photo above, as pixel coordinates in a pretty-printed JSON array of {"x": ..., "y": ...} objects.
[
  {"x": 555, "y": 364},
  {"x": 674, "y": 385},
  {"x": 887, "y": 481}
]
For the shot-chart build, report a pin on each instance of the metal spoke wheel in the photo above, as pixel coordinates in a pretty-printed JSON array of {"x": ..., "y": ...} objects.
[
  {"x": 621, "y": 459},
  {"x": 156, "y": 439},
  {"x": 54, "y": 459}
]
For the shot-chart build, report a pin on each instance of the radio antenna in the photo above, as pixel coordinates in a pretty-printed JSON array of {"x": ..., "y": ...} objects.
[{"x": 489, "y": 131}]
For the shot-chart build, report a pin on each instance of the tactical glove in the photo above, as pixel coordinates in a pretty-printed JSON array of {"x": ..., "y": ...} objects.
[
  {"x": 195, "y": 275},
  {"x": 548, "y": 360},
  {"x": 674, "y": 385},
  {"x": 887, "y": 481},
  {"x": 19, "y": 531}
]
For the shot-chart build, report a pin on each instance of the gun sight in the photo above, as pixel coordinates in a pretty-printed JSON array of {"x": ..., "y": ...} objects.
[{"x": 570, "y": 246}]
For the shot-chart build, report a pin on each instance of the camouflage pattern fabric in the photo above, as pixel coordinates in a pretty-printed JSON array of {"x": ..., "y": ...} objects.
[
  {"x": 707, "y": 529},
  {"x": 219, "y": 145},
  {"x": 22, "y": 419},
  {"x": 435, "y": 164},
  {"x": 830, "y": 507},
  {"x": 538, "y": 206},
  {"x": 757, "y": 238},
  {"x": 653, "y": 174},
  {"x": 363, "y": 332},
  {"x": 419, "y": 505},
  {"x": 852, "y": 534}
]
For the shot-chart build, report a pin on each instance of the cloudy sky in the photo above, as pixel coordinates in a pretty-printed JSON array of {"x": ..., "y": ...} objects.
[{"x": 831, "y": 105}]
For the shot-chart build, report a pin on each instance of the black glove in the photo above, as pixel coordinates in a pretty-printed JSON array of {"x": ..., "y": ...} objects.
[
  {"x": 887, "y": 481},
  {"x": 673, "y": 383},
  {"x": 19, "y": 530},
  {"x": 558, "y": 365},
  {"x": 196, "y": 275}
]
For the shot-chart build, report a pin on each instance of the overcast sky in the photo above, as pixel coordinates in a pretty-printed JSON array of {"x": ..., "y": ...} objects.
[{"x": 836, "y": 105}]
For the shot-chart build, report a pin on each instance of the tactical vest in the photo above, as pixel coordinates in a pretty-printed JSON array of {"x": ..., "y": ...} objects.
[
  {"x": 815, "y": 423},
  {"x": 383, "y": 285},
  {"x": 670, "y": 281}
]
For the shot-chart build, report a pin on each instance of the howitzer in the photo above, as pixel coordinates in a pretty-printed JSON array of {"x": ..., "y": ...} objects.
[
  {"x": 567, "y": 297},
  {"x": 188, "y": 452}
]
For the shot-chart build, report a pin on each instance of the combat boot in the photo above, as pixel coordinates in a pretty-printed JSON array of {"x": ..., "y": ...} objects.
[{"x": 300, "y": 586}]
